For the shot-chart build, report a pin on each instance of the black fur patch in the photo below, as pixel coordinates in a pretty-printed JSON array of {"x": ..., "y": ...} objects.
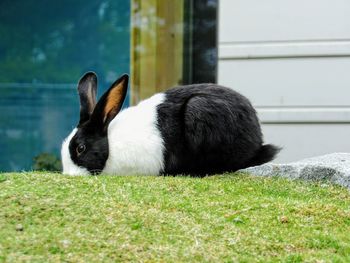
[
  {"x": 96, "y": 153},
  {"x": 93, "y": 125},
  {"x": 209, "y": 129}
]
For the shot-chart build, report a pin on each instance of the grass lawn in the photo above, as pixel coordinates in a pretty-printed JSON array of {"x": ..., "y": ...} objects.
[{"x": 227, "y": 218}]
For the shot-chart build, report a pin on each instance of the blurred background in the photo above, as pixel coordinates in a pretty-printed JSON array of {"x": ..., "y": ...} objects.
[
  {"x": 289, "y": 57},
  {"x": 46, "y": 46}
]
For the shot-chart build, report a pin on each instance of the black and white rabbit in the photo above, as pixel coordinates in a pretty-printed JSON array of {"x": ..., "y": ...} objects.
[{"x": 197, "y": 130}]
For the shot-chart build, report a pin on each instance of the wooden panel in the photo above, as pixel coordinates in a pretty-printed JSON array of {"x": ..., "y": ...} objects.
[
  {"x": 157, "y": 46},
  {"x": 143, "y": 49},
  {"x": 169, "y": 44}
]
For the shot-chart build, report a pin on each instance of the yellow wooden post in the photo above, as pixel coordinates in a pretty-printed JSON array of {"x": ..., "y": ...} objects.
[{"x": 156, "y": 46}]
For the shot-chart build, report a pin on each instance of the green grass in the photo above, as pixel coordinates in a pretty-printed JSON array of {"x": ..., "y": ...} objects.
[{"x": 228, "y": 218}]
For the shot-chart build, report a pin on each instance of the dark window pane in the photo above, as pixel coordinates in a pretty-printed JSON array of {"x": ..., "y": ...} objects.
[{"x": 200, "y": 46}]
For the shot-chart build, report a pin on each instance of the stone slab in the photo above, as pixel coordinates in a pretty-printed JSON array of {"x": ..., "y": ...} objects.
[{"x": 333, "y": 168}]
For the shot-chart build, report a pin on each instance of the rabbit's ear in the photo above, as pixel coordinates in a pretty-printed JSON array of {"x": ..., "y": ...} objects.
[
  {"x": 87, "y": 89},
  {"x": 110, "y": 103}
]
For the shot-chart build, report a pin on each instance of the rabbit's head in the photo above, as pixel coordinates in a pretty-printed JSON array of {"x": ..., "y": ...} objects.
[{"x": 85, "y": 150}]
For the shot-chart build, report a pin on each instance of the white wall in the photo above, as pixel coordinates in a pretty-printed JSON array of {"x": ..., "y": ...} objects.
[{"x": 291, "y": 58}]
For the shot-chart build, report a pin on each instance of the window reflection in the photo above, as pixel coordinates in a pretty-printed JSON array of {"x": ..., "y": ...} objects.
[{"x": 45, "y": 47}]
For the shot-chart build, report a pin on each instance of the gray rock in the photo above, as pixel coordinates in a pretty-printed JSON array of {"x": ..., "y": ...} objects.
[{"x": 333, "y": 167}]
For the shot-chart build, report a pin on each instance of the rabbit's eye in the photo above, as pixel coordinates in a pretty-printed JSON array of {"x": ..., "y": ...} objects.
[{"x": 80, "y": 149}]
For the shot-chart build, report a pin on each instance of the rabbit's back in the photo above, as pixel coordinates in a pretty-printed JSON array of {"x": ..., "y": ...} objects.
[{"x": 207, "y": 129}]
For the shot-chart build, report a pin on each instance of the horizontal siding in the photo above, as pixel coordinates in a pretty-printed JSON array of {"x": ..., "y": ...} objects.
[
  {"x": 291, "y": 58},
  {"x": 289, "y": 82},
  {"x": 291, "y": 49},
  {"x": 304, "y": 140},
  {"x": 283, "y": 20},
  {"x": 304, "y": 114}
]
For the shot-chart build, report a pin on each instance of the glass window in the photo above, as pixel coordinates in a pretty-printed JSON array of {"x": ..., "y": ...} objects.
[{"x": 46, "y": 47}]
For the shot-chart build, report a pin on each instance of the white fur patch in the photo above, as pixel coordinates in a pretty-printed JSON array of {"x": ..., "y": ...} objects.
[
  {"x": 69, "y": 167},
  {"x": 135, "y": 143}
]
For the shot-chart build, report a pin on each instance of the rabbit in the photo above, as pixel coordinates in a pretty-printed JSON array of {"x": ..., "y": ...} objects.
[{"x": 196, "y": 130}]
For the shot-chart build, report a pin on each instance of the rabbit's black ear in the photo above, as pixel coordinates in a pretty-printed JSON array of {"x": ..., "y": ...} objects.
[
  {"x": 110, "y": 103},
  {"x": 87, "y": 89}
]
